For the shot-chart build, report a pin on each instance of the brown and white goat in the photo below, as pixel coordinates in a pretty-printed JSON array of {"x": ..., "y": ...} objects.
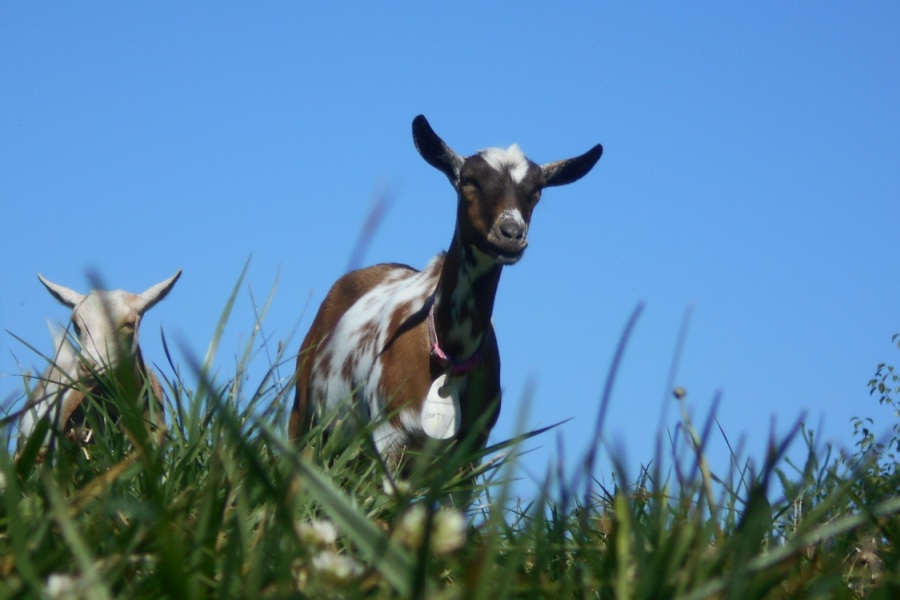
[
  {"x": 419, "y": 346},
  {"x": 106, "y": 325}
]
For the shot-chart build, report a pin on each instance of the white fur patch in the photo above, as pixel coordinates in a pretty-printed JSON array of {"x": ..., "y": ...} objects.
[
  {"x": 357, "y": 340},
  {"x": 511, "y": 159}
]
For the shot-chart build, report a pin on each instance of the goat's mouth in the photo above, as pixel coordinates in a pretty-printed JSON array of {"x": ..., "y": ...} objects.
[{"x": 506, "y": 253}]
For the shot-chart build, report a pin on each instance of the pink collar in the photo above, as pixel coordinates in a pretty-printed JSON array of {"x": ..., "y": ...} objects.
[{"x": 442, "y": 358}]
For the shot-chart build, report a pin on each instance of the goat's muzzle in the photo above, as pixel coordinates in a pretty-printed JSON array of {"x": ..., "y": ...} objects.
[{"x": 508, "y": 238}]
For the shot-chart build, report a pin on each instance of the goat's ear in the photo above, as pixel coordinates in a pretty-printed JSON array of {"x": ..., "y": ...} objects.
[
  {"x": 70, "y": 298},
  {"x": 435, "y": 151},
  {"x": 566, "y": 171},
  {"x": 149, "y": 297}
]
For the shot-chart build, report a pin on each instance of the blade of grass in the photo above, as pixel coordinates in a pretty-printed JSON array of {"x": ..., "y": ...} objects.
[
  {"x": 94, "y": 586},
  {"x": 394, "y": 564}
]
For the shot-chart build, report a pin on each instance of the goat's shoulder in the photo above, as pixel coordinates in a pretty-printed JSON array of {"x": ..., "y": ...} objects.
[
  {"x": 356, "y": 284},
  {"x": 347, "y": 290}
]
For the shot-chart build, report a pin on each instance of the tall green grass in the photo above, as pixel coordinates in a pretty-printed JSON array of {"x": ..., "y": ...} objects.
[{"x": 226, "y": 507}]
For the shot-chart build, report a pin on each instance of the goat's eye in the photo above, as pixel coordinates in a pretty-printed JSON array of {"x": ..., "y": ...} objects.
[
  {"x": 468, "y": 182},
  {"x": 76, "y": 328}
]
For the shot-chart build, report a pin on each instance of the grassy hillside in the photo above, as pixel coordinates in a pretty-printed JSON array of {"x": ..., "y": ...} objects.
[{"x": 226, "y": 508}]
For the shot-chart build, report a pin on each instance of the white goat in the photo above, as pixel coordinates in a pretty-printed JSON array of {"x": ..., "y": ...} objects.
[{"x": 106, "y": 325}]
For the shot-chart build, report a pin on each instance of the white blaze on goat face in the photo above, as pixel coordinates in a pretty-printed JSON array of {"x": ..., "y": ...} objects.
[{"x": 510, "y": 160}]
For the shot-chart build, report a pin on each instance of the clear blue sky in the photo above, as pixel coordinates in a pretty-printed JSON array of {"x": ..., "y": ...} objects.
[{"x": 750, "y": 174}]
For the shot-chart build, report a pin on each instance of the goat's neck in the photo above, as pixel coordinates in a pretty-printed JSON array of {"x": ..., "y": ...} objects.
[{"x": 464, "y": 300}]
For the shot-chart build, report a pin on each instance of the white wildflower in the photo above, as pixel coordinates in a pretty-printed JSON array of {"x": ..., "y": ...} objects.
[
  {"x": 448, "y": 529},
  {"x": 448, "y": 533},
  {"x": 411, "y": 529},
  {"x": 397, "y": 487},
  {"x": 63, "y": 585},
  {"x": 317, "y": 533},
  {"x": 336, "y": 567}
]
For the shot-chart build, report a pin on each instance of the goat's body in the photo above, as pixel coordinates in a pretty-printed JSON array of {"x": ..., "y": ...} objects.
[
  {"x": 415, "y": 351},
  {"x": 366, "y": 357},
  {"x": 65, "y": 387},
  {"x": 108, "y": 367},
  {"x": 51, "y": 390}
]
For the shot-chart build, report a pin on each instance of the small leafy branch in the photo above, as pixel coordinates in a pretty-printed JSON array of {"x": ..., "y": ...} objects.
[{"x": 880, "y": 451}]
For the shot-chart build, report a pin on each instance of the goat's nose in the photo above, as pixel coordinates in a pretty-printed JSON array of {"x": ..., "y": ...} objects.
[{"x": 512, "y": 229}]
